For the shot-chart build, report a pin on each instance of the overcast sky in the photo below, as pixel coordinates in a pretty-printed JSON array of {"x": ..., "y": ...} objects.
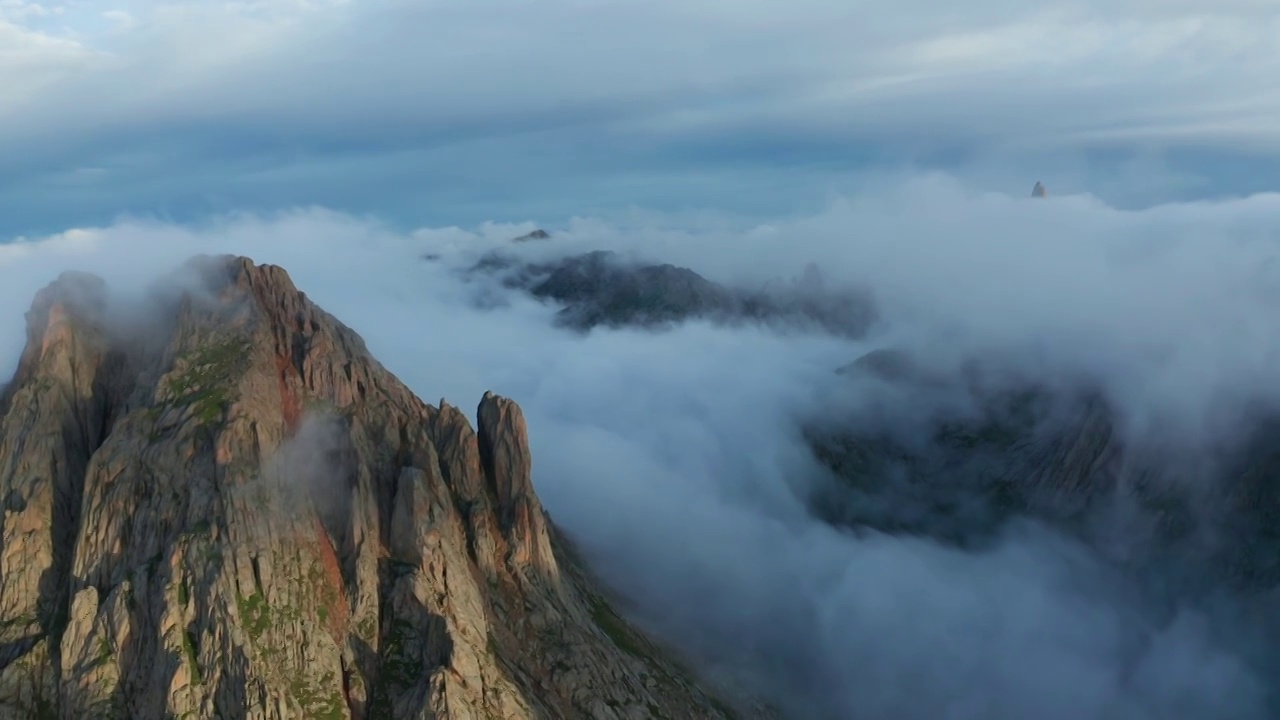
[
  {"x": 431, "y": 112},
  {"x": 743, "y": 139}
]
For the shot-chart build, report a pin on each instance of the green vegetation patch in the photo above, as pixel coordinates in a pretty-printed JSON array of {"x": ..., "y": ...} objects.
[
  {"x": 21, "y": 621},
  {"x": 367, "y": 628},
  {"x": 321, "y": 701},
  {"x": 319, "y": 406},
  {"x": 628, "y": 640},
  {"x": 608, "y": 620},
  {"x": 255, "y": 613},
  {"x": 189, "y": 648},
  {"x": 205, "y": 385},
  {"x": 104, "y": 651}
]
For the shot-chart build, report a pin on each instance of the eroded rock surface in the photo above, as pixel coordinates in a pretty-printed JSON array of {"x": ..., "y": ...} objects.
[{"x": 236, "y": 512}]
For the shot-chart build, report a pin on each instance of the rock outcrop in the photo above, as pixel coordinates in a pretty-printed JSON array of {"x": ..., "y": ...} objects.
[
  {"x": 538, "y": 234},
  {"x": 602, "y": 289},
  {"x": 232, "y": 511}
]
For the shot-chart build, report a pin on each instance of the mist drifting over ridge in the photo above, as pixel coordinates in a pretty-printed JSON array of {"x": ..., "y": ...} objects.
[{"x": 676, "y": 457}]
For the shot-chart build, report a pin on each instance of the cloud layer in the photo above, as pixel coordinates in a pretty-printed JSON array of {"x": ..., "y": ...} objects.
[
  {"x": 676, "y": 457},
  {"x": 452, "y": 111}
]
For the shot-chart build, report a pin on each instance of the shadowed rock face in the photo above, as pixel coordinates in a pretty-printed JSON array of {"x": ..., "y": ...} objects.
[
  {"x": 602, "y": 289},
  {"x": 1203, "y": 520},
  {"x": 598, "y": 290},
  {"x": 236, "y": 512},
  {"x": 535, "y": 235}
]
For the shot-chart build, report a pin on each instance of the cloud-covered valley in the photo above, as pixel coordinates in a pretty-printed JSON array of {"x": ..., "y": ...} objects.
[{"x": 676, "y": 457}]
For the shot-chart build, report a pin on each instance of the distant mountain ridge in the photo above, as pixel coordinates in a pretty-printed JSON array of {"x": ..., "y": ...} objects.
[
  {"x": 603, "y": 289},
  {"x": 1025, "y": 450}
]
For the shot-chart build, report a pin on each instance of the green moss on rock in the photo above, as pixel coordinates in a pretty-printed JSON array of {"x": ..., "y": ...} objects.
[
  {"x": 255, "y": 614},
  {"x": 205, "y": 385}
]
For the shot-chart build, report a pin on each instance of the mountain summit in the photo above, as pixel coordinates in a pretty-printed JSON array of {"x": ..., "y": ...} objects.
[{"x": 230, "y": 510}]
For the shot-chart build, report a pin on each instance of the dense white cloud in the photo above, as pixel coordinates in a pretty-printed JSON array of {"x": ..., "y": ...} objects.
[
  {"x": 442, "y": 106},
  {"x": 675, "y": 457}
]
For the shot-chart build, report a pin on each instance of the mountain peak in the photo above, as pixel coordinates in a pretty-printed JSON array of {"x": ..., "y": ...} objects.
[
  {"x": 74, "y": 300},
  {"x": 507, "y": 463},
  {"x": 248, "y": 513},
  {"x": 538, "y": 234}
]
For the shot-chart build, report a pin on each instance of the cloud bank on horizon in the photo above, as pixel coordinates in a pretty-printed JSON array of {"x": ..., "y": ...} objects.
[
  {"x": 455, "y": 111},
  {"x": 638, "y": 437}
]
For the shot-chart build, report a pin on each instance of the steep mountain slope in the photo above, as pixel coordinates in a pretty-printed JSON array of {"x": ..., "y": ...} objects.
[
  {"x": 1206, "y": 514},
  {"x": 229, "y": 509}
]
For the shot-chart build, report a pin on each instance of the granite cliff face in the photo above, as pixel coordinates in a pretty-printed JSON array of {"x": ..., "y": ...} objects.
[{"x": 232, "y": 511}]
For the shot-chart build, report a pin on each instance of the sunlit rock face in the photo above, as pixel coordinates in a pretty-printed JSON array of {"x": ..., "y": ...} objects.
[{"x": 231, "y": 510}]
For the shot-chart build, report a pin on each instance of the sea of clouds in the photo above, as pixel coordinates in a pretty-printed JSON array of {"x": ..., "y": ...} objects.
[{"x": 675, "y": 457}]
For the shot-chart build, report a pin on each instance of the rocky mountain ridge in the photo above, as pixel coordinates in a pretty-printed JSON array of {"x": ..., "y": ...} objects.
[
  {"x": 1022, "y": 450},
  {"x": 604, "y": 289},
  {"x": 231, "y": 510}
]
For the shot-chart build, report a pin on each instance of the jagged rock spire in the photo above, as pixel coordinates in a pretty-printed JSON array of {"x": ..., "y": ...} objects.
[{"x": 248, "y": 511}]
